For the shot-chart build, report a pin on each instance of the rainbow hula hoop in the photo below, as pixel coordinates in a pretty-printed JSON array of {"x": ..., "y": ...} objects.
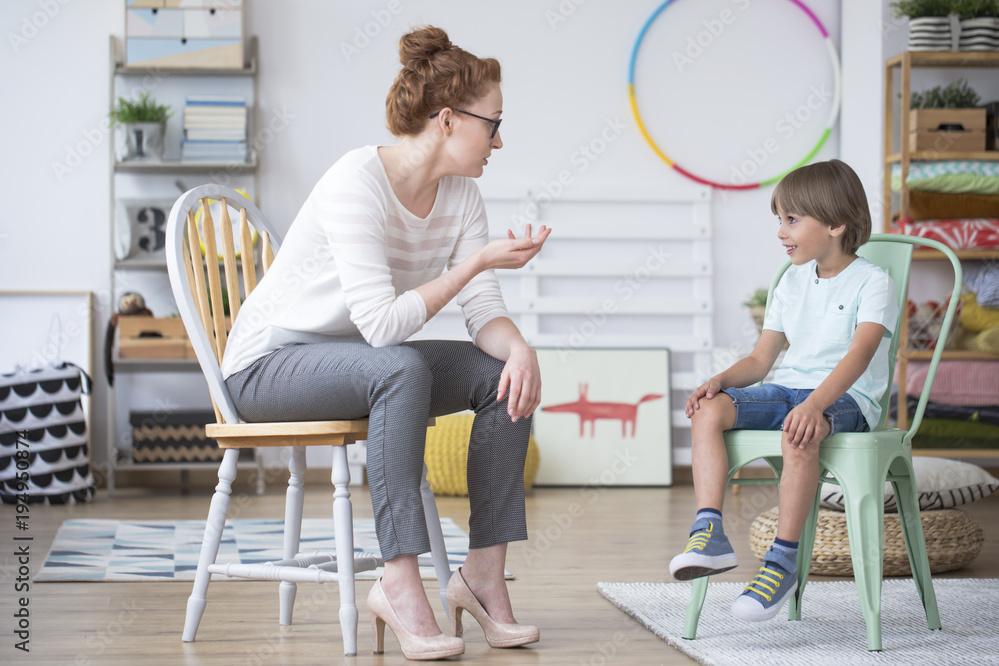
[{"x": 833, "y": 112}]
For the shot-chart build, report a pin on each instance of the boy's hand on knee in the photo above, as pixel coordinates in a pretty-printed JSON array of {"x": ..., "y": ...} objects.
[
  {"x": 805, "y": 425},
  {"x": 705, "y": 391}
]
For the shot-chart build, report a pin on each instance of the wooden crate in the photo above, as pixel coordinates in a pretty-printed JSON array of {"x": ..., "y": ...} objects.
[
  {"x": 153, "y": 338},
  {"x": 925, "y": 131}
]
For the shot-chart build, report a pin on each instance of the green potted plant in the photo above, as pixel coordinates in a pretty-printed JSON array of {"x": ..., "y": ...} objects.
[
  {"x": 144, "y": 123},
  {"x": 929, "y": 23},
  {"x": 757, "y": 304},
  {"x": 979, "y": 24},
  {"x": 945, "y": 118}
]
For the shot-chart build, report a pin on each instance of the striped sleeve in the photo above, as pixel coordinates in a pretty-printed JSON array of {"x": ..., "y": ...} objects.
[
  {"x": 353, "y": 219},
  {"x": 480, "y": 300}
]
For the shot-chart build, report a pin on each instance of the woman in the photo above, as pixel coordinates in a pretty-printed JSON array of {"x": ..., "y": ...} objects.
[{"x": 361, "y": 270}]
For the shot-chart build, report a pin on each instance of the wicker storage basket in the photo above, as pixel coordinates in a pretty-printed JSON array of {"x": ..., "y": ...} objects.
[
  {"x": 952, "y": 541},
  {"x": 447, "y": 455}
]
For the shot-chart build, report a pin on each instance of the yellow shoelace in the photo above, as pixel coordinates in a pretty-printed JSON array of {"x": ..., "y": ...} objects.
[
  {"x": 765, "y": 585},
  {"x": 699, "y": 539}
]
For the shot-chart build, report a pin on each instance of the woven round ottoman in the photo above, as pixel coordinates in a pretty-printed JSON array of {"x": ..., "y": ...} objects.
[
  {"x": 952, "y": 541},
  {"x": 447, "y": 455}
]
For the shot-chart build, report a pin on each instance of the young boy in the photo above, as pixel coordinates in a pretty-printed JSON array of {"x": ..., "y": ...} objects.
[{"x": 837, "y": 311}]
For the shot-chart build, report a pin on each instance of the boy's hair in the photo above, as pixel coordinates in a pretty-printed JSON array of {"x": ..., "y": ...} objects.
[{"x": 832, "y": 193}]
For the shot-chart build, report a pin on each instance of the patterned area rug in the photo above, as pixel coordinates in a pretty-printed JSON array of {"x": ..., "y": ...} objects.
[
  {"x": 831, "y": 630},
  {"x": 167, "y": 550}
]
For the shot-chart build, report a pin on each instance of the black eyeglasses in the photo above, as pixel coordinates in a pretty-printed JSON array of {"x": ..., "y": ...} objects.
[{"x": 495, "y": 123}]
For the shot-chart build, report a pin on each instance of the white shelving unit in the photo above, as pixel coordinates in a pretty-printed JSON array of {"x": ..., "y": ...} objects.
[
  {"x": 601, "y": 241},
  {"x": 155, "y": 178}
]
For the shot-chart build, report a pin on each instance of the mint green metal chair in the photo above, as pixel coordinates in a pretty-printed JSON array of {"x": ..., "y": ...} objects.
[{"x": 860, "y": 463}]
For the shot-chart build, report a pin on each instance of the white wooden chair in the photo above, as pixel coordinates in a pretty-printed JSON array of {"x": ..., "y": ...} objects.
[{"x": 197, "y": 287}]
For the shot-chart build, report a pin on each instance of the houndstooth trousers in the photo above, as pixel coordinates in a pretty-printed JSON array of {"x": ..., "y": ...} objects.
[{"x": 398, "y": 389}]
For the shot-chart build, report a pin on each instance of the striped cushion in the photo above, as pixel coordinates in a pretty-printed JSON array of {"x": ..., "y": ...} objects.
[
  {"x": 962, "y": 234},
  {"x": 942, "y": 484}
]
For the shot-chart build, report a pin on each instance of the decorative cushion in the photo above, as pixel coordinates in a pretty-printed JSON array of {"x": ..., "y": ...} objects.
[
  {"x": 977, "y": 318},
  {"x": 968, "y": 383},
  {"x": 447, "y": 455},
  {"x": 954, "y": 176},
  {"x": 952, "y": 541},
  {"x": 964, "y": 234},
  {"x": 942, "y": 484},
  {"x": 983, "y": 280}
]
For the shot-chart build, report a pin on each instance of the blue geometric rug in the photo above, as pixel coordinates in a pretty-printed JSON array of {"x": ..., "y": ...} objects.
[{"x": 167, "y": 550}]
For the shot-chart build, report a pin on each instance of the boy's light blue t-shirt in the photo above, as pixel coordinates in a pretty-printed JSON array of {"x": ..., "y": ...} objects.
[{"x": 818, "y": 317}]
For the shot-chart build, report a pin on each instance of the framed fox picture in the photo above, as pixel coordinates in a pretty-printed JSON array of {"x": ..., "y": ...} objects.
[{"x": 604, "y": 417}]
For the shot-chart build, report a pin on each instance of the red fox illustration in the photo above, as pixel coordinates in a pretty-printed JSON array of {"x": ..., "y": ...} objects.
[{"x": 593, "y": 411}]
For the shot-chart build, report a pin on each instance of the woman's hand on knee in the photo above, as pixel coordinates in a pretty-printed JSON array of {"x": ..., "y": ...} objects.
[
  {"x": 705, "y": 391},
  {"x": 521, "y": 380}
]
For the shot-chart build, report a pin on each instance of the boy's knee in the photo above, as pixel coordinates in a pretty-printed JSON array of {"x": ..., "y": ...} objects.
[
  {"x": 798, "y": 453},
  {"x": 713, "y": 413}
]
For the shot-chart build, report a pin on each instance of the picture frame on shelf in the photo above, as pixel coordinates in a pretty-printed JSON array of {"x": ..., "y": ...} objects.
[{"x": 604, "y": 417}]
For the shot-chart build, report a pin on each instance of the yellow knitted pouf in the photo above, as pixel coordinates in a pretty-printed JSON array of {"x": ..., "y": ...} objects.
[{"x": 447, "y": 455}]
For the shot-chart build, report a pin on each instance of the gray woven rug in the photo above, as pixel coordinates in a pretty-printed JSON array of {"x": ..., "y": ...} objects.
[{"x": 831, "y": 630}]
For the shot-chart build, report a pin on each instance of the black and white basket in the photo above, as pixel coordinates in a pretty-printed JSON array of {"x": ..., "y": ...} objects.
[{"x": 44, "y": 457}]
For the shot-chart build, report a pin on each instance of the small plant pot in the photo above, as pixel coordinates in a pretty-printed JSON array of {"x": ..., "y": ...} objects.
[
  {"x": 930, "y": 33},
  {"x": 980, "y": 34},
  {"x": 144, "y": 141}
]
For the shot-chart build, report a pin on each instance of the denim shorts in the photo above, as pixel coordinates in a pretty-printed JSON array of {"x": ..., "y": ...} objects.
[{"x": 765, "y": 406}]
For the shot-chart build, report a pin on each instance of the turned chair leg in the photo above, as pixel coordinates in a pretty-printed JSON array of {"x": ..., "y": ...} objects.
[
  {"x": 343, "y": 525},
  {"x": 294, "y": 499},
  {"x": 210, "y": 543}
]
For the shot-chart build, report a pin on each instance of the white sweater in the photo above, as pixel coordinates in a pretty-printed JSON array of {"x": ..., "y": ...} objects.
[{"x": 351, "y": 259}]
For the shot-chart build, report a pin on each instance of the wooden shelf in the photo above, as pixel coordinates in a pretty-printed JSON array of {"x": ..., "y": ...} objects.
[
  {"x": 949, "y": 355},
  {"x": 963, "y": 255},
  {"x": 947, "y": 59},
  {"x": 156, "y": 364},
  {"x": 931, "y": 155},
  {"x": 178, "y": 166},
  {"x": 895, "y": 146},
  {"x": 179, "y": 81},
  {"x": 140, "y": 265}
]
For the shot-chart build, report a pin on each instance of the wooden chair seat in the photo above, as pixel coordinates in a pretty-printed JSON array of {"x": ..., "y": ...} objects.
[{"x": 287, "y": 433}]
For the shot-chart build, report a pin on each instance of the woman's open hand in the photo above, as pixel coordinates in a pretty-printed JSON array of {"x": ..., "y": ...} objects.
[{"x": 513, "y": 252}]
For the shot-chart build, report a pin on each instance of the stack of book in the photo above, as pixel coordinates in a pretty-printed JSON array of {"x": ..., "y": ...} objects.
[{"x": 214, "y": 129}]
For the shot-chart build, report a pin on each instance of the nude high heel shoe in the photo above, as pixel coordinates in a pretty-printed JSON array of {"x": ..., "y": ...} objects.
[
  {"x": 417, "y": 648},
  {"x": 498, "y": 635}
]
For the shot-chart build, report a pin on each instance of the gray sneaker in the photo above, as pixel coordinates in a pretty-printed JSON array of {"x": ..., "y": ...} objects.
[
  {"x": 708, "y": 552},
  {"x": 765, "y": 594}
]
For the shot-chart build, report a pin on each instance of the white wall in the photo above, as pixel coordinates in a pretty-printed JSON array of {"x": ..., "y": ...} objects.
[{"x": 325, "y": 68}]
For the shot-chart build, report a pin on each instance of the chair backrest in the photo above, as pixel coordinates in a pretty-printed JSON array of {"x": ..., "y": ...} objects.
[
  {"x": 194, "y": 251},
  {"x": 893, "y": 253}
]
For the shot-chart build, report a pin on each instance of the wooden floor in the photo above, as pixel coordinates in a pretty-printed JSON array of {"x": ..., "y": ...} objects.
[{"x": 579, "y": 537}]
